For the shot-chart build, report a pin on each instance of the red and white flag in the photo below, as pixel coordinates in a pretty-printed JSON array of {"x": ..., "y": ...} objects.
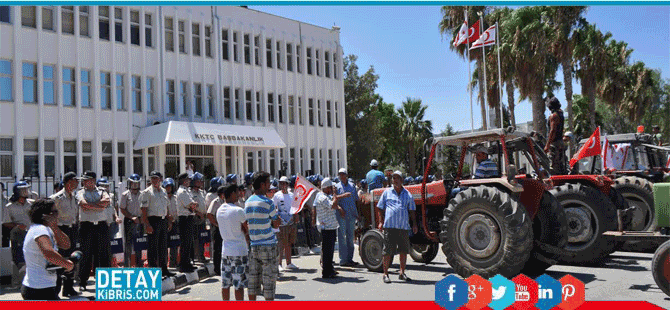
[
  {"x": 592, "y": 147},
  {"x": 473, "y": 33},
  {"x": 462, "y": 34},
  {"x": 303, "y": 194},
  {"x": 487, "y": 38}
]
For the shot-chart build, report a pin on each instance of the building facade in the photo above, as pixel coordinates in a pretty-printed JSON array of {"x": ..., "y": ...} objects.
[{"x": 79, "y": 85}]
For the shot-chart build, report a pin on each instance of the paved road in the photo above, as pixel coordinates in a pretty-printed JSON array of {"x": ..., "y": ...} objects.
[{"x": 623, "y": 276}]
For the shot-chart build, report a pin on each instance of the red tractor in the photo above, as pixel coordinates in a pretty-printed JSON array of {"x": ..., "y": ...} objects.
[{"x": 507, "y": 224}]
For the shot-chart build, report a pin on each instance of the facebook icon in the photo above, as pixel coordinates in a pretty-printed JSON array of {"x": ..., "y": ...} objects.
[{"x": 451, "y": 292}]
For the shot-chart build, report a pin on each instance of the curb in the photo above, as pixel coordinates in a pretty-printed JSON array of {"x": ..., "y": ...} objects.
[{"x": 181, "y": 280}]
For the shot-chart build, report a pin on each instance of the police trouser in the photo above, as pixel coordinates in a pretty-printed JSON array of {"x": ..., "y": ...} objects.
[
  {"x": 95, "y": 247},
  {"x": 66, "y": 279},
  {"x": 218, "y": 247},
  {"x": 157, "y": 247},
  {"x": 16, "y": 237},
  {"x": 132, "y": 231},
  {"x": 186, "y": 232},
  {"x": 198, "y": 246},
  {"x": 174, "y": 250}
]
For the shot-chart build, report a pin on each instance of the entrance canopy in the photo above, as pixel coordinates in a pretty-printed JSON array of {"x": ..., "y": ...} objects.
[{"x": 249, "y": 137}]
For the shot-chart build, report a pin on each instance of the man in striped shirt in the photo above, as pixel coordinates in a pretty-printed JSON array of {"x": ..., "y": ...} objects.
[
  {"x": 398, "y": 207},
  {"x": 262, "y": 216},
  {"x": 325, "y": 205},
  {"x": 485, "y": 167}
]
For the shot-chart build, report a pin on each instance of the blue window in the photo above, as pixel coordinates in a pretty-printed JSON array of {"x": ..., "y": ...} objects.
[
  {"x": 48, "y": 84},
  {"x": 69, "y": 99},
  {"x": 86, "y": 88},
  {"x": 5, "y": 80},
  {"x": 29, "y": 72}
]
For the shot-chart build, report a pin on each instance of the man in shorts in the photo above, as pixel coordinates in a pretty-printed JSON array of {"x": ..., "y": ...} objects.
[
  {"x": 398, "y": 207},
  {"x": 264, "y": 252},
  {"x": 234, "y": 231},
  {"x": 288, "y": 229}
]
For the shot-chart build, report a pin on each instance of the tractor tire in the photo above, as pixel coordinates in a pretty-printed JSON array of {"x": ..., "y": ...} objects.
[
  {"x": 370, "y": 250},
  {"x": 550, "y": 226},
  {"x": 660, "y": 267},
  {"x": 424, "y": 253},
  {"x": 589, "y": 214},
  {"x": 486, "y": 231},
  {"x": 638, "y": 193}
]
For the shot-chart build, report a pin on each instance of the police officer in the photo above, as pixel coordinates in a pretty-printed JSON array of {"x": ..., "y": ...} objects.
[
  {"x": 130, "y": 207},
  {"x": 248, "y": 185},
  {"x": 113, "y": 219},
  {"x": 231, "y": 179},
  {"x": 68, "y": 213},
  {"x": 186, "y": 210},
  {"x": 93, "y": 213},
  {"x": 198, "y": 195},
  {"x": 173, "y": 227},
  {"x": 32, "y": 194},
  {"x": 155, "y": 211},
  {"x": 17, "y": 220}
]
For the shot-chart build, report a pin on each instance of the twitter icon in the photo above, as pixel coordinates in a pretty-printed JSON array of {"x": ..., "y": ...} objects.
[{"x": 502, "y": 292}]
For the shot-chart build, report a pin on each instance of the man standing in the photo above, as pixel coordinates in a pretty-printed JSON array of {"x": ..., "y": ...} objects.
[
  {"x": 345, "y": 234},
  {"x": 68, "y": 213},
  {"x": 16, "y": 219},
  {"x": 155, "y": 204},
  {"x": 260, "y": 211},
  {"x": 398, "y": 206},
  {"x": 235, "y": 235},
  {"x": 93, "y": 203},
  {"x": 198, "y": 195},
  {"x": 186, "y": 209},
  {"x": 288, "y": 229},
  {"x": 212, "y": 207},
  {"x": 374, "y": 177},
  {"x": 555, "y": 148},
  {"x": 324, "y": 212},
  {"x": 130, "y": 207}
]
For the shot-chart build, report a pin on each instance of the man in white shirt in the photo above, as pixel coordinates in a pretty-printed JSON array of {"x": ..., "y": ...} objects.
[
  {"x": 288, "y": 228},
  {"x": 234, "y": 231}
]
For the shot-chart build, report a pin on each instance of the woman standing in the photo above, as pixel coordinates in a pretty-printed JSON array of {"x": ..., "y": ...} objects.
[{"x": 41, "y": 248}]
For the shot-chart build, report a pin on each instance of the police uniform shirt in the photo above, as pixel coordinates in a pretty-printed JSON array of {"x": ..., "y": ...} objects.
[
  {"x": 66, "y": 204},
  {"x": 172, "y": 206},
  {"x": 208, "y": 200},
  {"x": 17, "y": 213},
  {"x": 183, "y": 201},
  {"x": 110, "y": 212},
  {"x": 155, "y": 200},
  {"x": 131, "y": 203},
  {"x": 92, "y": 216},
  {"x": 199, "y": 197},
  {"x": 214, "y": 206}
]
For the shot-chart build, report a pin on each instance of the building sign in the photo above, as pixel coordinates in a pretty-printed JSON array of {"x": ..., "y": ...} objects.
[{"x": 227, "y": 139}]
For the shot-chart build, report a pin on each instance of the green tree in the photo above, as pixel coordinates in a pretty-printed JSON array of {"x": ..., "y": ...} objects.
[
  {"x": 564, "y": 20},
  {"x": 590, "y": 55},
  {"x": 415, "y": 130},
  {"x": 449, "y": 154}
]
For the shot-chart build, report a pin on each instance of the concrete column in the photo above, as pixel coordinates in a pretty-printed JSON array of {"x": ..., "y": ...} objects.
[
  {"x": 160, "y": 163},
  {"x": 182, "y": 158},
  {"x": 240, "y": 161}
]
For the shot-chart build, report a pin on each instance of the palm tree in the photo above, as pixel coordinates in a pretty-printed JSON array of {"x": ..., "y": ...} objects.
[
  {"x": 591, "y": 54},
  {"x": 564, "y": 20},
  {"x": 612, "y": 89},
  {"x": 452, "y": 19},
  {"x": 534, "y": 64},
  {"x": 414, "y": 128},
  {"x": 644, "y": 92}
]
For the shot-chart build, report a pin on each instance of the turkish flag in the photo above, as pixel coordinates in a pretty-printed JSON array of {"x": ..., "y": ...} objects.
[
  {"x": 303, "y": 194},
  {"x": 590, "y": 148},
  {"x": 473, "y": 33}
]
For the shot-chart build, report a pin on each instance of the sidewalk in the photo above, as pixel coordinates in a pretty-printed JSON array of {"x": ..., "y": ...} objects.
[{"x": 180, "y": 280}]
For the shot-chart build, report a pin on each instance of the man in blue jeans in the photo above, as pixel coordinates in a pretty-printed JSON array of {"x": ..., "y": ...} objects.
[{"x": 345, "y": 233}]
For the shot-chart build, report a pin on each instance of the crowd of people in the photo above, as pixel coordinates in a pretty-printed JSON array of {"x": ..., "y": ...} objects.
[{"x": 253, "y": 231}]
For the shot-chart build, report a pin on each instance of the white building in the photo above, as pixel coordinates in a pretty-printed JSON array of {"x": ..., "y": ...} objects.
[{"x": 122, "y": 90}]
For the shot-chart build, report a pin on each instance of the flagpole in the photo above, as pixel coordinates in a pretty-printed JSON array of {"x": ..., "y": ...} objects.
[
  {"x": 500, "y": 86},
  {"x": 485, "y": 117},
  {"x": 467, "y": 48}
]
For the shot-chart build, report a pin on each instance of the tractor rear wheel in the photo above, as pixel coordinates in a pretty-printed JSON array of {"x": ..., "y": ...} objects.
[
  {"x": 660, "y": 267},
  {"x": 589, "y": 214},
  {"x": 486, "y": 231},
  {"x": 550, "y": 226},
  {"x": 638, "y": 193},
  {"x": 424, "y": 253}
]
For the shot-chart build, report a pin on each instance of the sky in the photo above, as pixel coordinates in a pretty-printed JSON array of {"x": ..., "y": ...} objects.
[{"x": 413, "y": 59}]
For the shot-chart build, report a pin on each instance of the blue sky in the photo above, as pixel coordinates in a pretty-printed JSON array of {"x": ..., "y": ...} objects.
[{"x": 405, "y": 47}]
